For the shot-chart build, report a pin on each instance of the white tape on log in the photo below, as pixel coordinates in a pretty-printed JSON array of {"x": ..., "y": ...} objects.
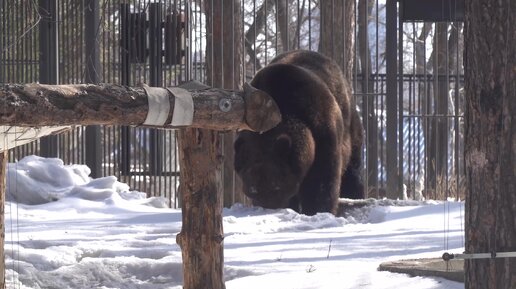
[
  {"x": 183, "y": 107},
  {"x": 159, "y": 105}
]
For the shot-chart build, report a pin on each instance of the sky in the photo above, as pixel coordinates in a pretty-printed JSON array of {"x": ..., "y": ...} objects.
[{"x": 66, "y": 230}]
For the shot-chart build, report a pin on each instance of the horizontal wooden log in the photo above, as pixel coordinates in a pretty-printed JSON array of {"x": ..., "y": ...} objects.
[{"x": 35, "y": 105}]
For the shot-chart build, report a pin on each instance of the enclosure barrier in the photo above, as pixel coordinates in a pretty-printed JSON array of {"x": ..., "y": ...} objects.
[
  {"x": 192, "y": 105},
  {"x": 107, "y": 104}
]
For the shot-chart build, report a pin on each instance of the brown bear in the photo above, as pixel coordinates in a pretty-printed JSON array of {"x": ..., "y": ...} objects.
[{"x": 314, "y": 155}]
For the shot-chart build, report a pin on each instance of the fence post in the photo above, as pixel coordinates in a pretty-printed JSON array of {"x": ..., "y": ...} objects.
[
  {"x": 392, "y": 101},
  {"x": 155, "y": 79},
  {"x": 48, "y": 60},
  {"x": 399, "y": 191},
  {"x": 125, "y": 79},
  {"x": 91, "y": 37}
]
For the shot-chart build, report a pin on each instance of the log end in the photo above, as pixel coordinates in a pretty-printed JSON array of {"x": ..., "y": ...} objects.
[{"x": 261, "y": 111}]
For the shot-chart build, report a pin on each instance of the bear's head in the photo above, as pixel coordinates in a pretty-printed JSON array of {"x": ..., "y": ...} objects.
[{"x": 273, "y": 164}]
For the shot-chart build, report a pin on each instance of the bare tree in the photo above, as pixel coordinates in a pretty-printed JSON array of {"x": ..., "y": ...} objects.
[
  {"x": 443, "y": 62},
  {"x": 490, "y": 150},
  {"x": 437, "y": 138},
  {"x": 256, "y": 28},
  {"x": 370, "y": 118},
  {"x": 336, "y": 33},
  {"x": 3, "y": 174}
]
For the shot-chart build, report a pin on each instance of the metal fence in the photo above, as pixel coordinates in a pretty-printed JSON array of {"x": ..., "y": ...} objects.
[{"x": 407, "y": 77}]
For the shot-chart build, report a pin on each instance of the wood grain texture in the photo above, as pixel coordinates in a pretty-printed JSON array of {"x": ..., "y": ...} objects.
[
  {"x": 108, "y": 104},
  {"x": 490, "y": 138},
  {"x": 3, "y": 175}
]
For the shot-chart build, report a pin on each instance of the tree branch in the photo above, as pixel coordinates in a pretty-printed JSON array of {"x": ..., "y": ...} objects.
[{"x": 256, "y": 28}]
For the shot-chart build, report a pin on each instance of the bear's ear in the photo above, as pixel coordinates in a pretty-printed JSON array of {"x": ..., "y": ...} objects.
[{"x": 282, "y": 143}]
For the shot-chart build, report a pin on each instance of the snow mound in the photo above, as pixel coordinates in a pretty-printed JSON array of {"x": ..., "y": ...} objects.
[{"x": 35, "y": 180}]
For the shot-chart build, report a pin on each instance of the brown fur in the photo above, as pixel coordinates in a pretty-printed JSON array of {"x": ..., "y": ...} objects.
[{"x": 303, "y": 161}]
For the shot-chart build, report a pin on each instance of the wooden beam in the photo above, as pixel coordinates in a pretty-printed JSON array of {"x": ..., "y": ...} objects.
[
  {"x": 36, "y": 105},
  {"x": 201, "y": 237}
]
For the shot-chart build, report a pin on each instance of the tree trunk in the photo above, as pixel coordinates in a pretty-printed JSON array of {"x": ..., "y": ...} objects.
[
  {"x": 337, "y": 33},
  {"x": 3, "y": 177},
  {"x": 424, "y": 95},
  {"x": 87, "y": 104},
  {"x": 438, "y": 141},
  {"x": 490, "y": 150},
  {"x": 370, "y": 119},
  {"x": 419, "y": 48},
  {"x": 224, "y": 58},
  {"x": 255, "y": 29},
  {"x": 283, "y": 24}
]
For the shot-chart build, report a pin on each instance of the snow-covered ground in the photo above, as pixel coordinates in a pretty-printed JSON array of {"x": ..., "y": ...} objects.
[{"x": 64, "y": 230}]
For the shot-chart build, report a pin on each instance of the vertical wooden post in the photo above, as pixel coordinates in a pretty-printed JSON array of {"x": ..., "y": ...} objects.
[
  {"x": 3, "y": 175},
  {"x": 201, "y": 235},
  {"x": 202, "y": 160}
]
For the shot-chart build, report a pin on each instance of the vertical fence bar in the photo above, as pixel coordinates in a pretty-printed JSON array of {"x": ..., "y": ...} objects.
[
  {"x": 155, "y": 47},
  {"x": 457, "y": 117},
  {"x": 155, "y": 79},
  {"x": 391, "y": 102},
  {"x": 3, "y": 41},
  {"x": 401, "y": 119},
  {"x": 92, "y": 75},
  {"x": 125, "y": 69},
  {"x": 3, "y": 188},
  {"x": 48, "y": 61},
  {"x": 155, "y": 44},
  {"x": 11, "y": 69}
]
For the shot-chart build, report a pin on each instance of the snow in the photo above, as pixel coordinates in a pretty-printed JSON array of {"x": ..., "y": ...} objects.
[{"x": 65, "y": 230}]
